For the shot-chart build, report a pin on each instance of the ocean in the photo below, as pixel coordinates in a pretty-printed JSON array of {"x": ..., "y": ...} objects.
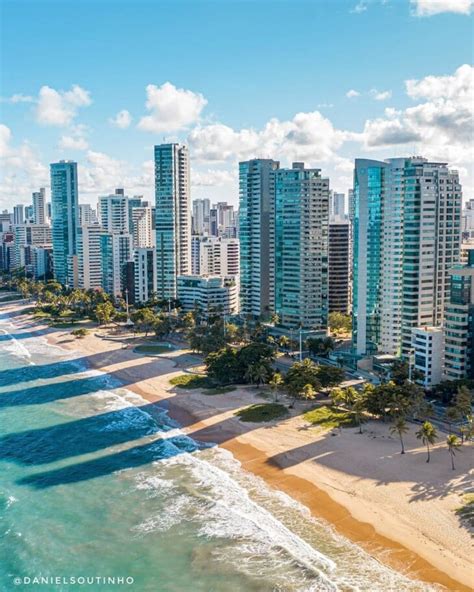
[{"x": 98, "y": 485}]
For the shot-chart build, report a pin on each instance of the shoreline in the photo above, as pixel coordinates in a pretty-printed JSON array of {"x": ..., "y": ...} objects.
[{"x": 211, "y": 419}]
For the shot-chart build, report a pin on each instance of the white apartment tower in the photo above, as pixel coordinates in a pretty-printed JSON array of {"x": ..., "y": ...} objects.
[{"x": 39, "y": 205}]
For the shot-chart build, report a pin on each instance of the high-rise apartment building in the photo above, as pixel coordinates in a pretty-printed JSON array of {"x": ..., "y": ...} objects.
[
  {"x": 256, "y": 228},
  {"x": 89, "y": 260},
  {"x": 18, "y": 214},
  {"x": 201, "y": 209},
  {"x": 39, "y": 206},
  {"x": 215, "y": 256},
  {"x": 65, "y": 218},
  {"x": 337, "y": 207},
  {"x": 144, "y": 273},
  {"x": 142, "y": 233},
  {"x": 301, "y": 247},
  {"x": 406, "y": 235},
  {"x": 173, "y": 217},
  {"x": 87, "y": 215},
  {"x": 459, "y": 323},
  {"x": 114, "y": 212},
  {"x": 116, "y": 252},
  {"x": 339, "y": 266}
]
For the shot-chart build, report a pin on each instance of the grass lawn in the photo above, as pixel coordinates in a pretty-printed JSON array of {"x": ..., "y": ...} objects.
[
  {"x": 152, "y": 349},
  {"x": 218, "y": 390},
  {"x": 466, "y": 512},
  {"x": 191, "y": 381},
  {"x": 329, "y": 417},
  {"x": 262, "y": 412}
]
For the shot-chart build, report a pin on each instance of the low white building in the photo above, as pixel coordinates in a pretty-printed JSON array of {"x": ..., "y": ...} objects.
[
  {"x": 427, "y": 344},
  {"x": 208, "y": 293}
]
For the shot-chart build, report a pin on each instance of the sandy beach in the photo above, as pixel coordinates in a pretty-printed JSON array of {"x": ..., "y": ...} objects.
[{"x": 397, "y": 507}]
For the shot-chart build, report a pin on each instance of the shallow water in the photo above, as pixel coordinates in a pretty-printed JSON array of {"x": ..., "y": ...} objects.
[{"x": 96, "y": 482}]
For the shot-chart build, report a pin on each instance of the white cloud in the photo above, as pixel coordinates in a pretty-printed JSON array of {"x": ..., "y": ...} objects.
[
  {"x": 171, "y": 108},
  {"x": 73, "y": 143},
  {"x": 439, "y": 127},
  {"x": 350, "y": 94},
  {"x": 123, "y": 119},
  {"x": 360, "y": 7},
  {"x": 432, "y": 7},
  {"x": 59, "y": 108},
  {"x": 308, "y": 136},
  {"x": 17, "y": 98},
  {"x": 380, "y": 95},
  {"x": 212, "y": 177},
  {"x": 75, "y": 139},
  {"x": 22, "y": 171}
]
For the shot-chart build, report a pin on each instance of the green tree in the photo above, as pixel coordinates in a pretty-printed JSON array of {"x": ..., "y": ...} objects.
[
  {"x": 400, "y": 427},
  {"x": 307, "y": 393},
  {"x": 399, "y": 372},
  {"x": 283, "y": 342},
  {"x": 257, "y": 373},
  {"x": 223, "y": 366},
  {"x": 301, "y": 374},
  {"x": 329, "y": 375},
  {"x": 452, "y": 415},
  {"x": 454, "y": 444},
  {"x": 320, "y": 346},
  {"x": 276, "y": 383},
  {"x": 427, "y": 434},
  {"x": 339, "y": 322},
  {"x": 104, "y": 313},
  {"x": 232, "y": 333},
  {"x": 463, "y": 401},
  {"x": 144, "y": 319}
]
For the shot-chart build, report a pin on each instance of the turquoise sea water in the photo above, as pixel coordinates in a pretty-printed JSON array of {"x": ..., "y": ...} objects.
[{"x": 95, "y": 482}]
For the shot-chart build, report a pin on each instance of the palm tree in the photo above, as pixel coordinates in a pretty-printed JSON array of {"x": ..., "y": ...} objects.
[
  {"x": 275, "y": 384},
  {"x": 454, "y": 444},
  {"x": 308, "y": 392},
  {"x": 283, "y": 342},
  {"x": 257, "y": 373},
  {"x": 452, "y": 415},
  {"x": 427, "y": 434},
  {"x": 400, "y": 427}
]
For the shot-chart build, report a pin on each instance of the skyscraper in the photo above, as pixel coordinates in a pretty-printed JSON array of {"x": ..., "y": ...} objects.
[
  {"x": 65, "y": 218},
  {"x": 89, "y": 262},
  {"x": 201, "y": 208},
  {"x": 256, "y": 195},
  {"x": 114, "y": 212},
  {"x": 406, "y": 236},
  {"x": 339, "y": 266},
  {"x": 39, "y": 203},
  {"x": 459, "y": 323},
  {"x": 173, "y": 217},
  {"x": 18, "y": 214},
  {"x": 301, "y": 247}
]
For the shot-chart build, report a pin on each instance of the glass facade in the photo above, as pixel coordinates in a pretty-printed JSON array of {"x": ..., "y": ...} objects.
[
  {"x": 173, "y": 217},
  {"x": 301, "y": 248},
  {"x": 367, "y": 227},
  {"x": 64, "y": 217}
]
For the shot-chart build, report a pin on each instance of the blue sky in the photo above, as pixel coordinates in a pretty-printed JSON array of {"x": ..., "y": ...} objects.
[{"x": 233, "y": 80}]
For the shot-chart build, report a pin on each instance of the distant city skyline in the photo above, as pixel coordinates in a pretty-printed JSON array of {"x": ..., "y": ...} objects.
[{"x": 340, "y": 85}]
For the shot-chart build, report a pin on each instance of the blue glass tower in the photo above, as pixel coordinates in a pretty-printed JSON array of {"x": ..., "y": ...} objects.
[
  {"x": 172, "y": 217},
  {"x": 64, "y": 218}
]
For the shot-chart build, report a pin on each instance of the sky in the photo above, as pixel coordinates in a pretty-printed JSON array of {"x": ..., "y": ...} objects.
[{"x": 101, "y": 81}]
